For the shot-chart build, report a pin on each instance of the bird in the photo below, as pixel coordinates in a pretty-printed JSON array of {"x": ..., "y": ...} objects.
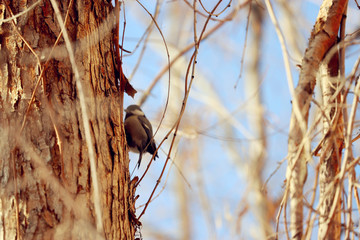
[{"x": 139, "y": 134}]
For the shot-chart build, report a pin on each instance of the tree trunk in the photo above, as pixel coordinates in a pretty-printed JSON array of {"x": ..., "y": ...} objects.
[
  {"x": 330, "y": 158},
  {"x": 323, "y": 37},
  {"x": 46, "y": 182}
]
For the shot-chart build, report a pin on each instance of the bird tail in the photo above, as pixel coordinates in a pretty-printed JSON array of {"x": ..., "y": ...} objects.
[
  {"x": 139, "y": 161},
  {"x": 152, "y": 148}
]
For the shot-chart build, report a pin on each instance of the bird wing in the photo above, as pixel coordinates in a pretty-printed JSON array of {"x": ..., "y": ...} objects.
[
  {"x": 151, "y": 148},
  {"x": 147, "y": 126}
]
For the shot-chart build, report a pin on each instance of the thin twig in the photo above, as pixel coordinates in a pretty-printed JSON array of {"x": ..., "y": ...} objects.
[
  {"x": 176, "y": 126},
  {"x": 14, "y": 17},
  {"x": 229, "y": 17},
  {"x": 168, "y": 69}
]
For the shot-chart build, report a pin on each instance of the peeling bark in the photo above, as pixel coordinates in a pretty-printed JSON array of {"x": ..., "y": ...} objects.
[{"x": 323, "y": 37}]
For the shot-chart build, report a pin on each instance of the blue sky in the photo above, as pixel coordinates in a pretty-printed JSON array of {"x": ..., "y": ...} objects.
[{"x": 217, "y": 68}]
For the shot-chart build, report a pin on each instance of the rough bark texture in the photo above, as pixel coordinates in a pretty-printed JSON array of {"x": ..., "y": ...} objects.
[
  {"x": 46, "y": 189},
  {"x": 323, "y": 37}
]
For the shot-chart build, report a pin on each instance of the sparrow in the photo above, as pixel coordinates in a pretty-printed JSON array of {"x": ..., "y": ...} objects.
[{"x": 139, "y": 134}]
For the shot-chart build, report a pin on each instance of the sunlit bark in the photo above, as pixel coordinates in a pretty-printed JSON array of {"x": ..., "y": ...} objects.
[
  {"x": 323, "y": 37},
  {"x": 47, "y": 192}
]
